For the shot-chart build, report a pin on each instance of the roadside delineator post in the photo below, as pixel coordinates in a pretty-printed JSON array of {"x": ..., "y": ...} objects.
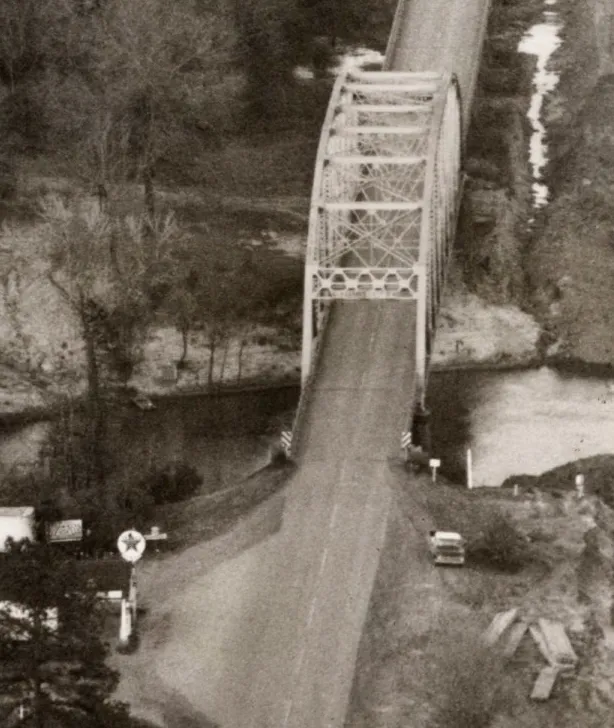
[
  {"x": 286, "y": 442},
  {"x": 434, "y": 463},
  {"x": 579, "y": 486},
  {"x": 469, "y": 469},
  {"x": 405, "y": 444},
  {"x": 125, "y": 625},
  {"x": 516, "y": 490}
]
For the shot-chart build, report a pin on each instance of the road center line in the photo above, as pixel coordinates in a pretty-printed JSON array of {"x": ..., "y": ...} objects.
[
  {"x": 311, "y": 611},
  {"x": 323, "y": 561},
  {"x": 299, "y": 663},
  {"x": 288, "y": 711},
  {"x": 333, "y": 517}
]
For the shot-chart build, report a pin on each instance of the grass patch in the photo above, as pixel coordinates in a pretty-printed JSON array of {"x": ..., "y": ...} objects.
[
  {"x": 467, "y": 678},
  {"x": 598, "y": 474},
  {"x": 207, "y": 517}
]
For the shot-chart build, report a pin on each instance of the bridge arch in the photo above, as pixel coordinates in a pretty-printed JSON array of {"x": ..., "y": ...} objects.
[{"x": 385, "y": 200}]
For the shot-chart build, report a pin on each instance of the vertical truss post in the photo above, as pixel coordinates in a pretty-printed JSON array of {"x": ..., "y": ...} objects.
[
  {"x": 308, "y": 332},
  {"x": 421, "y": 333}
]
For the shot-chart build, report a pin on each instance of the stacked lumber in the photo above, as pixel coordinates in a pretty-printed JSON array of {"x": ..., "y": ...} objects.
[
  {"x": 501, "y": 621},
  {"x": 544, "y": 683},
  {"x": 541, "y": 643},
  {"x": 550, "y": 638},
  {"x": 514, "y": 639},
  {"x": 558, "y": 644}
]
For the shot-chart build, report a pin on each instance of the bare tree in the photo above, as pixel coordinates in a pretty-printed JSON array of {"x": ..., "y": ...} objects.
[
  {"x": 152, "y": 63},
  {"x": 107, "y": 291}
]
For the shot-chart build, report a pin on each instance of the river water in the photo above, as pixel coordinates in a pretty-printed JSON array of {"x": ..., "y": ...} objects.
[
  {"x": 225, "y": 437},
  {"x": 514, "y": 422},
  {"x": 518, "y": 422},
  {"x": 541, "y": 40}
]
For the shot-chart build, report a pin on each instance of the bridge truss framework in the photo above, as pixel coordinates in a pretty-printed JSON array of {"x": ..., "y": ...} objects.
[{"x": 385, "y": 200}]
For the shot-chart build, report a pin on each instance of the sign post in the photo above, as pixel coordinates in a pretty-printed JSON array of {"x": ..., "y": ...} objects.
[
  {"x": 131, "y": 545},
  {"x": 579, "y": 485},
  {"x": 469, "y": 470},
  {"x": 406, "y": 444},
  {"x": 434, "y": 463},
  {"x": 286, "y": 442}
]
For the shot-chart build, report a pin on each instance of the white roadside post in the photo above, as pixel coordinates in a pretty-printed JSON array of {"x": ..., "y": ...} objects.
[
  {"x": 405, "y": 444},
  {"x": 516, "y": 490},
  {"x": 131, "y": 545},
  {"x": 469, "y": 469},
  {"x": 434, "y": 463},
  {"x": 286, "y": 442},
  {"x": 579, "y": 486}
]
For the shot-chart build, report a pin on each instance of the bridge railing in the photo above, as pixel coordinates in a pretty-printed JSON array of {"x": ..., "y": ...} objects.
[
  {"x": 395, "y": 31},
  {"x": 308, "y": 383}
]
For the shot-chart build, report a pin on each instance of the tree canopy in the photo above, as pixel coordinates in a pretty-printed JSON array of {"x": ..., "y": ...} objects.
[{"x": 51, "y": 647}]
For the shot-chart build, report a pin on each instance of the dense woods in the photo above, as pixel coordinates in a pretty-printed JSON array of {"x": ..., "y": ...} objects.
[{"x": 116, "y": 87}]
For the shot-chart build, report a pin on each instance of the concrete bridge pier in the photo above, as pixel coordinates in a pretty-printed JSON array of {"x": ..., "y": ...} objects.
[{"x": 421, "y": 428}]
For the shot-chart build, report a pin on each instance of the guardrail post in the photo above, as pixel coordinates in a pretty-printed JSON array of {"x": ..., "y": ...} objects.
[{"x": 286, "y": 442}]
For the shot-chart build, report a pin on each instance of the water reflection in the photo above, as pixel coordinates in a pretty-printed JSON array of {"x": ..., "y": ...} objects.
[
  {"x": 542, "y": 40},
  {"x": 224, "y": 437},
  {"x": 518, "y": 422}
]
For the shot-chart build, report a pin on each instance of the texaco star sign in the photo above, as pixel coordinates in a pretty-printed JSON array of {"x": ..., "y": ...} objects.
[{"x": 131, "y": 545}]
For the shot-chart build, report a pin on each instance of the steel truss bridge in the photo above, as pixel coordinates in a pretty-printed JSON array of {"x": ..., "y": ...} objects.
[
  {"x": 385, "y": 200},
  {"x": 386, "y": 195}
]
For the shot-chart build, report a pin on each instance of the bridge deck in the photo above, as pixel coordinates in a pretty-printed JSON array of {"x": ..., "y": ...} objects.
[{"x": 335, "y": 515}]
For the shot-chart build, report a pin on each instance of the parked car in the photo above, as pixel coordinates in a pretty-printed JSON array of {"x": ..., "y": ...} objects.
[{"x": 447, "y": 547}]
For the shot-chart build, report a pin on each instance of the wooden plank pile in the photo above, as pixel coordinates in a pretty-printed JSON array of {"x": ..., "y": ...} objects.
[{"x": 550, "y": 638}]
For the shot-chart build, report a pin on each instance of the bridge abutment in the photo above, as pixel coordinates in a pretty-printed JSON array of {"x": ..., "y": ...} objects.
[{"x": 421, "y": 428}]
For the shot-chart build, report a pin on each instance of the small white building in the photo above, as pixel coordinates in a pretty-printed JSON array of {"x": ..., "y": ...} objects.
[{"x": 16, "y": 523}]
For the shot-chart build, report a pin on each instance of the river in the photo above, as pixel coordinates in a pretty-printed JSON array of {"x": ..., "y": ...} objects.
[
  {"x": 224, "y": 436},
  {"x": 542, "y": 40},
  {"x": 518, "y": 422},
  {"x": 514, "y": 422}
]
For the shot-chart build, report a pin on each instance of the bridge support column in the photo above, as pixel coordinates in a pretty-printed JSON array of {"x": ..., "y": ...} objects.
[
  {"x": 421, "y": 334},
  {"x": 421, "y": 428},
  {"x": 308, "y": 331}
]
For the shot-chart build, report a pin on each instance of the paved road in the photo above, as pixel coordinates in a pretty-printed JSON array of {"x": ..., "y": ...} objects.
[
  {"x": 336, "y": 511},
  {"x": 268, "y": 639},
  {"x": 443, "y": 35},
  {"x": 335, "y": 518}
]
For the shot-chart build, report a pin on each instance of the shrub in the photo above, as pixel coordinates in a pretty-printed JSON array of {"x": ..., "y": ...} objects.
[
  {"x": 278, "y": 457},
  {"x": 174, "y": 482},
  {"x": 499, "y": 544}
]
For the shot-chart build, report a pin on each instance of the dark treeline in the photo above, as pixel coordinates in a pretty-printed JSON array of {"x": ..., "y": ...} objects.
[{"x": 119, "y": 85}]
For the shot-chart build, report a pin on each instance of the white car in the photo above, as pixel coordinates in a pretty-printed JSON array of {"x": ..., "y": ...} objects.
[{"x": 447, "y": 547}]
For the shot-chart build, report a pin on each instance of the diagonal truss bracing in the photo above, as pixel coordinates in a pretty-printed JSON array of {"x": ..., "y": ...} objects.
[{"x": 385, "y": 194}]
